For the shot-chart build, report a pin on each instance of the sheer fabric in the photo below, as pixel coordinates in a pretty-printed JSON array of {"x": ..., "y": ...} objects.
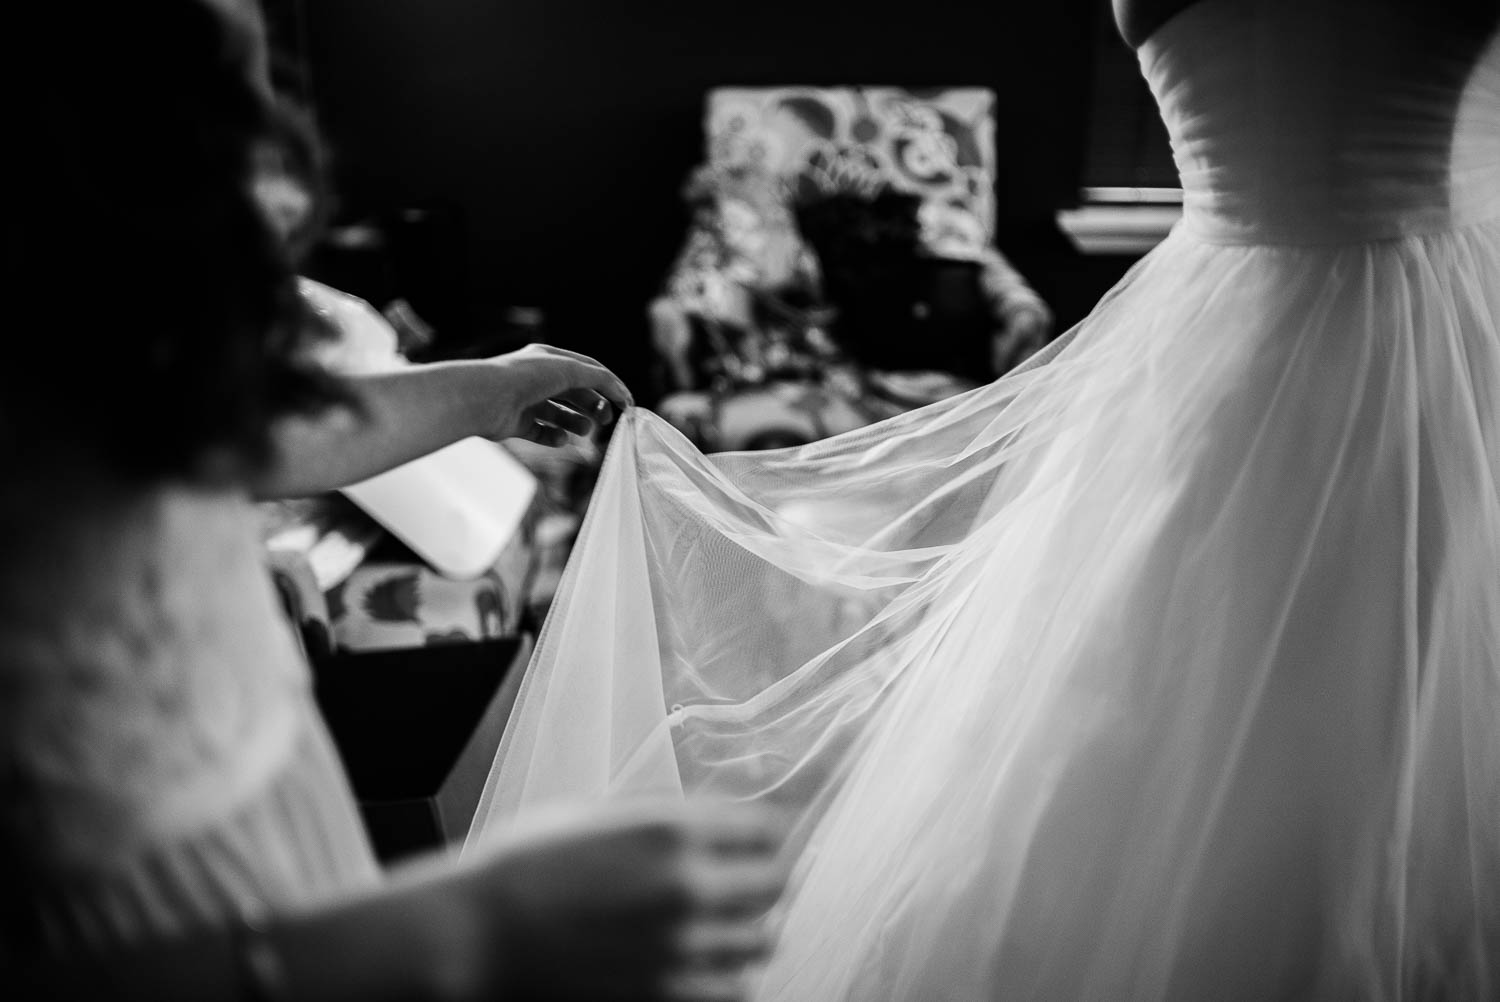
[{"x": 1168, "y": 667}]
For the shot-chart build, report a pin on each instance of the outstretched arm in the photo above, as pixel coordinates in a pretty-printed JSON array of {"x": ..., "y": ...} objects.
[
  {"x": 391, "y": 947},
  {"x": 538, "y": 393}
]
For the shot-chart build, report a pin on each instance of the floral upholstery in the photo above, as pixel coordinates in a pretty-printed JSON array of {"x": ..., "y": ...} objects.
[
  {"x": 402, "y": 604},
  {"x": 746, "y": 309},
  {"x": 350, "y": 586},
  {"x": 937, "y": 144}
]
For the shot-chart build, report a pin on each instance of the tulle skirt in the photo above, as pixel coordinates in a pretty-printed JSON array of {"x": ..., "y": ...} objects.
[{"x": 1167, "y": 668}]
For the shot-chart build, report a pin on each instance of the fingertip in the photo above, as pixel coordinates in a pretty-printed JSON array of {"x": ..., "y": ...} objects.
[
  {"x": 620, "y": 393},
  {"x": 606, "y": 410}
]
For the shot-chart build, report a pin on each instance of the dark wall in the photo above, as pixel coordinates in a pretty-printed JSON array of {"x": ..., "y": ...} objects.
[{"x": 558, "y": 132}]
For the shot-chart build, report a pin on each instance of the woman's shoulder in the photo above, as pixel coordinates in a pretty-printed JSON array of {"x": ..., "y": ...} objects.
[
  {"x": 142, "y": 654},
  {"x": 102, "y": 580}
]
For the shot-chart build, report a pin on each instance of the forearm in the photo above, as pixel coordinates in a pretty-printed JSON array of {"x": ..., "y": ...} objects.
[
  {"x": 384, "y": 947},
  {"x": 401, "y": 415}
]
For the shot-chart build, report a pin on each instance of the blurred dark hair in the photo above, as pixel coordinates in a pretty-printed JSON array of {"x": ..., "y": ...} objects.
[
  {"x": 154, "y": 319},
  {"x": 304, "y": 160}
]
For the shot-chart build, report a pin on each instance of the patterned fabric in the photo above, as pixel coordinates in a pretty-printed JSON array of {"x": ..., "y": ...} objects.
[
  {"x": 398, "y": 605},
  {"x": 392, "y": 599},
  {"x": 939, "y": 145},
  {"x": 743, "y": 235},
  {"x": 746, "y": 302},
  {"x": 784, "y": 413},
  {"x": 388, "y": 598}
]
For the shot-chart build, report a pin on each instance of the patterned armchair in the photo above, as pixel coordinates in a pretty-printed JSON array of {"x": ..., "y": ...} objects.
[
  {"x": 747, "y": 297},
  {"x": 938, "y": 145}
]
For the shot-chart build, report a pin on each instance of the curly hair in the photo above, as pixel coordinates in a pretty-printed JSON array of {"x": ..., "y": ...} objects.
[{"x": 154, "y": 320}]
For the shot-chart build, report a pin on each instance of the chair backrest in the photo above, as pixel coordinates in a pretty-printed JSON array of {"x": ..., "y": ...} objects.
[{"x": 938, "y": 144}]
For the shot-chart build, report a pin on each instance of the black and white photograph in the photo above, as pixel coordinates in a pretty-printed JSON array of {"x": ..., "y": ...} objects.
[{"x": 583, "y": 501}]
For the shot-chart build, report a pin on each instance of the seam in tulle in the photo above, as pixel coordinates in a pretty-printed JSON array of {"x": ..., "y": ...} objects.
[{"x": 1186, "y": 232}]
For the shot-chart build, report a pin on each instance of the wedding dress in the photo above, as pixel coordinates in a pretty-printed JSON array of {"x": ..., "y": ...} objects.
[{"x": 1166, "y": 668}]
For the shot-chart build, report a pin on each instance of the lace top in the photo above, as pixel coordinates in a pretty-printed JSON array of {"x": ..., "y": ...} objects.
[{"x": 161, "y": 759}]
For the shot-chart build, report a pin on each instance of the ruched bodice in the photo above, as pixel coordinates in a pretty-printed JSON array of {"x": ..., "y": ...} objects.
[{"x": 1324, "y": 121}]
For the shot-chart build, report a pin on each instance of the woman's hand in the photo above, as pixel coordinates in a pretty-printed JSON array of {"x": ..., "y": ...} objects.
[
  {"x": 543, "y": 394},
  {"x": 641, "y": 902},
  {"x": 630, "y": 903}
]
